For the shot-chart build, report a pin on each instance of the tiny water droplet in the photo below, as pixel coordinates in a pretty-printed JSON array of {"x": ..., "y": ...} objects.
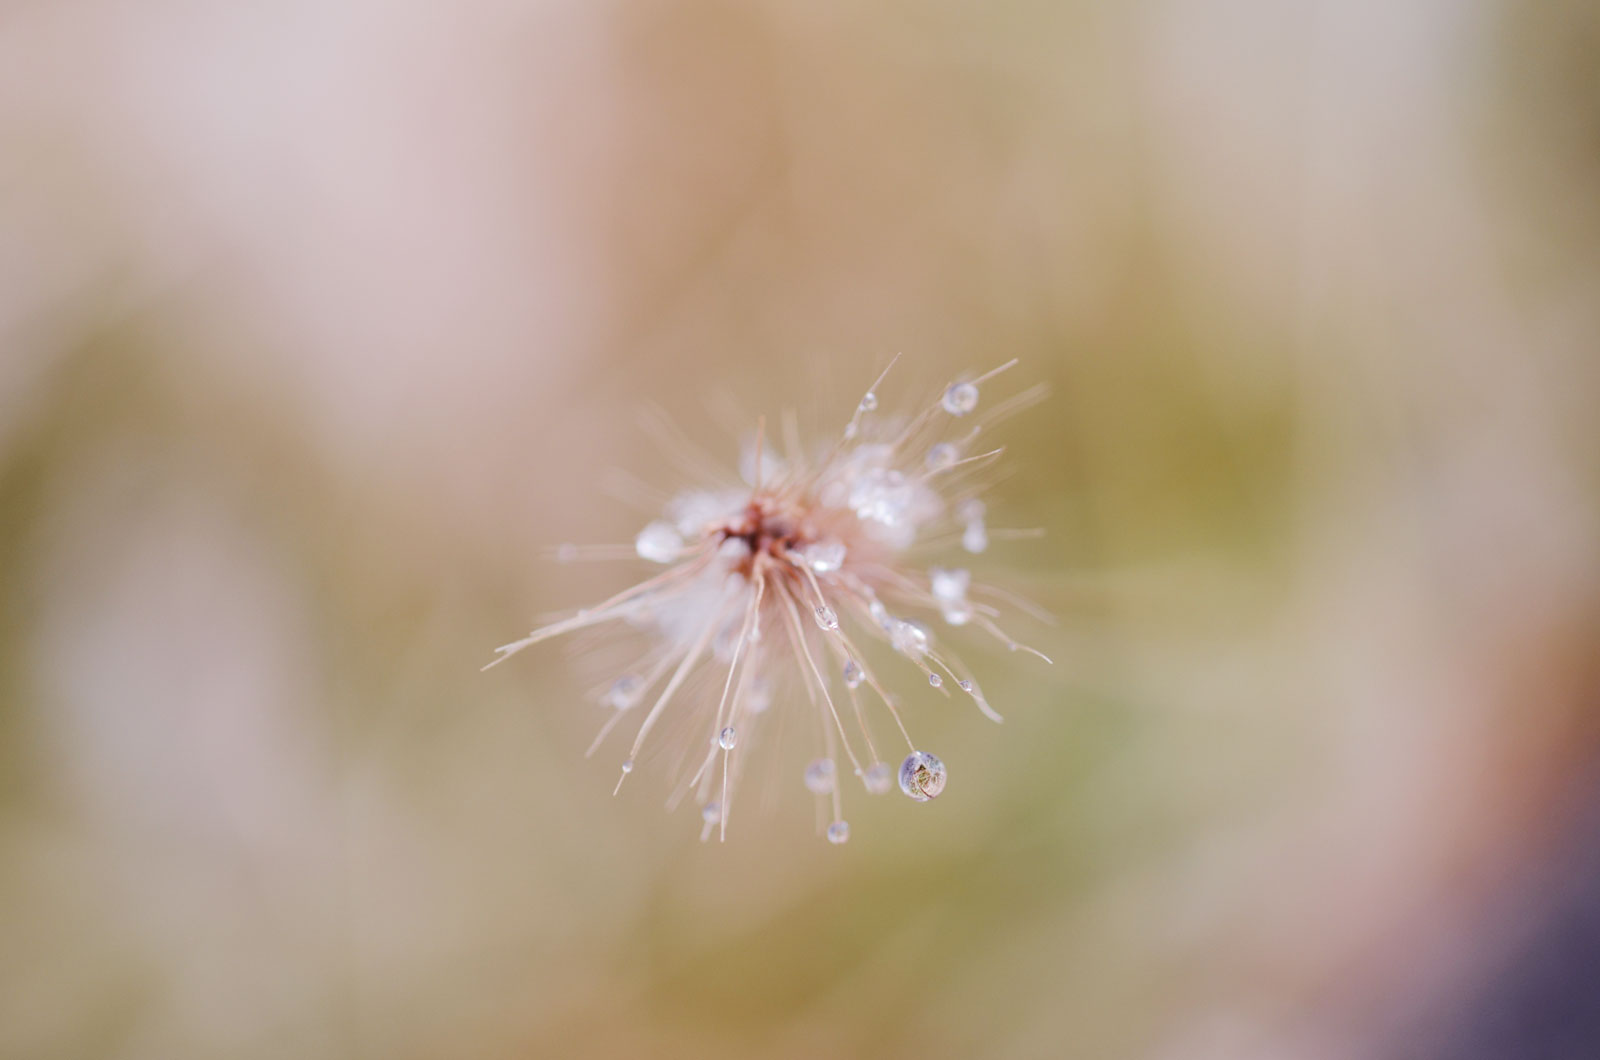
[
  {"x": 711, "y": 812},
  {"x": 727, "y": 738},
  {"x": 935, "y": 680},
  {"x": 966, "y": 686},
  {"x": 869, "y": 402},
  {"x": 942, "y": 456},
  {"x": 960, "y": 399},
  {"x": 624, "y": 692},
  {"x": 826, "y": 618},
  {"x": 824, "y": 557},
  {"x": 838, "y": 832},
  {"x": 852, "y": 674},
  {"x": 949, "y": 584},
  {"x": 975, "y": 538},
  {"x": 956, "y": 612},
  {"x": 879, "y": 777},
  {"x": 820, "y": 776},
  {"x": 627, "y": 766},
  {"x": 922, "y": 776},
  {"x": 659, "y": 542}
]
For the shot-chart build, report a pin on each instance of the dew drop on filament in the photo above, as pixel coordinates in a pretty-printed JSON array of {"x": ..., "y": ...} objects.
[
  {"x": 659, "y": 542},
  {"x": 820, "y": 776},
  {"x": 960, "y": 399},
  {"x": 935, "y": 680},
  {"x": 838, "y": 832},
  {"x": 727, "y": 738},
  {"x": 826, "y": 618},
  {"x": 922, "y": 776},
  {"x": 852, "y": 674}
]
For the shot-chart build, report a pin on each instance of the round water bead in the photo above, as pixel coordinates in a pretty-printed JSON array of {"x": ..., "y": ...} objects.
[
  {"x": 942, "y": 455},
  {"x": 922, "y": 776},
  {"x": 852, "y": 674},
  {"x": 956, "y": 612},
  {"x": 960, "y": 399},
  {"x": 908, "y": 638},
  {"x": 949, "y": 583},
  {"x": 711, "y": 812},
  {"x": 826, "y": 618},
  {"x": 869, "y": 402},
  {"x": 838, "y": 832},
  {"x": 935, "y": 680},
  {"x": 824, "y": 556},
  {"x": 727, "y": 738},
  {"x": 659, "y": 542},
  {"x": 624, "y": 692},
  {"x": 627, "y": 766},
  {"x": 878, "y": 778},
  {"x": 820, "y": 776},
  {"x": 966, "y": 686}
]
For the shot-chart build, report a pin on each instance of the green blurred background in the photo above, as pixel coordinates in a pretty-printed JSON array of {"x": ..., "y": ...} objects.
[{"x": 319, "y": 319}]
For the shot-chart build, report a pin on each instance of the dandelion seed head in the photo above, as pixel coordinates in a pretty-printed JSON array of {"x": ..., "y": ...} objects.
[{"x": 825, "y": 533}]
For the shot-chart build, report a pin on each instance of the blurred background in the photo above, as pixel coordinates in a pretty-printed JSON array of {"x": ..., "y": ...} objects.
[{"x": 319, "y": 319}]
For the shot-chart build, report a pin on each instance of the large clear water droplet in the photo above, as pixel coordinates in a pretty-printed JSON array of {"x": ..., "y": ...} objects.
[
  {"x": 838, "y": 832},
  {"x": 922, "y": 776},
  {"x": 727, "y": 738},
  {"x": 820, "y": 776},
  {"x": 659, "y": 542},
  {"x": 960, "y": 399}
]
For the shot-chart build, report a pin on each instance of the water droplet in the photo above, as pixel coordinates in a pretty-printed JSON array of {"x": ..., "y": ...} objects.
[
  {"x": 922, "y": 776},
  {"x": 627, "y": 766},
  {"x": 824, "y": 557},
  {"x": 820, "y": 776},
  {"x": 949, "y": 584},
  {"x": 659, "y": 542},
  {"x": 942, "y": 456},
  {"x": 957, "y": 612},
  {"x": 879, "y": 777},
  {"x": 624, "y": 692},
  {"x": 935, "y": 680},
  {"x": 869, "y": 402},
  {"x": 838, "y": 832},
  {"x": 966, "y": 686},
  {"x": 852, "y": 674},
  {"x": 727, "y": 738},
  {"x": 826, "y": 618},
  {"x": 975, "y": 538},
  {"x": 711, "y": 812},
  {"x": 908, "y": 638},
  {"x": 880, "y": 614},
  {"x": 960, "y": 399}
]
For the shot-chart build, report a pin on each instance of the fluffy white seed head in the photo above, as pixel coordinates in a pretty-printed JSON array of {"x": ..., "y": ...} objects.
[{"x": 804, "y": 575}]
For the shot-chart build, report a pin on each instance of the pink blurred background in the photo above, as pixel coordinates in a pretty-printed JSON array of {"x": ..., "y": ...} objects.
[{"x": 319, "y": 320}]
